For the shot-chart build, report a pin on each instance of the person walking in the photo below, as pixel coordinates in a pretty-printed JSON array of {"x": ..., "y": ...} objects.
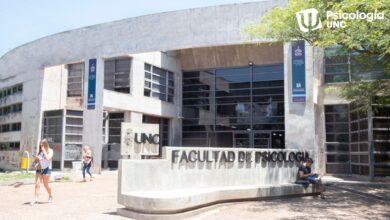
[
  {"x": 87, "y": 161},
  {"x": 43, "y": 170}
]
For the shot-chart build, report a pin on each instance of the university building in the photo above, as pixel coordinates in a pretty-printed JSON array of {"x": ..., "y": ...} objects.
[{"x": 194, "y": 74}]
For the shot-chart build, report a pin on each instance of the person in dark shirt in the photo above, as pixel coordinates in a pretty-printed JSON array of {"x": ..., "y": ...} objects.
[
  {"x": 305, "y": 176},
  {"x": 304, "y": 172}
]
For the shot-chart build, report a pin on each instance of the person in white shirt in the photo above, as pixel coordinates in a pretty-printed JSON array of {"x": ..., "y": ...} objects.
[
  {"x": 43, "y": 173},
  {"x": 87, "y": 161}
]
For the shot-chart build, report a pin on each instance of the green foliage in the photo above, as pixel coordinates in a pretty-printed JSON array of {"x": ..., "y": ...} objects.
[
  {"x": 14, "y": 176},
  {"x": 370, "y": 39},
  {"x": 364, "y": 93},
  {"x": 280, "y": 24}
]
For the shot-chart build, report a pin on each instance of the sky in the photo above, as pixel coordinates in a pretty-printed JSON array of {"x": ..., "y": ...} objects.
[{"x": 22, "y": 21}]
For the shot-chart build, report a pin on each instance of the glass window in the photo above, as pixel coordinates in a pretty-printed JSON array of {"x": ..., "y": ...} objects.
[
  {"x": 52, "y": 126},
  {"x": 220, "y": 104},
  {"x": 9, "y": 146},
  {"x": 75, "y": 79},
  {"x": 337, "y": 139},
  {"x": 342, "y": 66},
  {"x": 159, "y": 83},
  {"x": 117, "y": 74},
  {"x": 114, "y": 126}
]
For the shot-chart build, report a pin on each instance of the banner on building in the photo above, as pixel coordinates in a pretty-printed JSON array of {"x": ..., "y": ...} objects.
[
  {"x": 298, "y": 72},
  {"x": 91, "y": 100}
]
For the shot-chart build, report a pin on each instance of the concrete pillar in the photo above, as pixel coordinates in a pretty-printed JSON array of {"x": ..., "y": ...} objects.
[
  {"x": 175, "y": 129},
  {"x": 136, "y": 118},
  {"x": 93, "y": 127},
  {"x": 299, "y": 116},
  {"x": 371, "y": 156}
]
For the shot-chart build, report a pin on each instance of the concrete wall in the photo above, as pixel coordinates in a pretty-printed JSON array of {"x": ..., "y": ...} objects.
[
  {"x": 166, "y": 186},
  {"x": 30, "y": 115},
  {"x": 232, "y": 55},
  {"x": 299, "y": 116},
  {"x": 162, "y": 174},
  {"x": 221, "y": 25},
  {"x": 54, "y": 88}
]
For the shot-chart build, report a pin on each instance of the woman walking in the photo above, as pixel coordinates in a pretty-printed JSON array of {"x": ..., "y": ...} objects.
[
  {"x": 43, "y": 170},
  {"x": 87, "y": 161}
]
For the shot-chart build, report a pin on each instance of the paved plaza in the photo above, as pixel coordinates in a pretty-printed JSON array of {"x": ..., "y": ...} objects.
[{"x": 97, "y": 200}]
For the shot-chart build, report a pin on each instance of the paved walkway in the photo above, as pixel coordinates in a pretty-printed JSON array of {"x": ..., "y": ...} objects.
[
  {"x": 97, "y": 200},
  {"x": 72, "y": 200}
]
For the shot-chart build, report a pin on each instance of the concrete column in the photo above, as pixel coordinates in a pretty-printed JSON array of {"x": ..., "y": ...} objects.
[
  {"x": 318, "y": 98},
  {"x": 175, "y": 129},
  {"x": 93, "y": 127},
  {"x": 371, "y": 156},
  {"x": 136, "y": 118},
  {"x": 299, "y": 116}
]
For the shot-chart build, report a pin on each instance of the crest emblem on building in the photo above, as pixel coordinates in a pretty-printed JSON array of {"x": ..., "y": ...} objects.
[
  {"x": 129, "y": 136},
  {"x": 308, "y": 20}
]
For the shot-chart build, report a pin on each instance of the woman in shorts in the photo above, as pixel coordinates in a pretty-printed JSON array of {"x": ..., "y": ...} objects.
[{"x": 43, "y": 173}]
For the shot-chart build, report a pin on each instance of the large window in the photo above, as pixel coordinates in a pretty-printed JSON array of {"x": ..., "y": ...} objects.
[
  {"x": 350, "y": 140},
  {"x": 337, "y": 139},
  {"x": 10, "y": 127},
  {"x": 381, "y": 140},
  {"x": 52, "y": 126},
  {"x": 159, "y": 83},
  {"x": 234, "y": 107},
  {"x": 15, "y": 108},
  {"x": 52, "y": 130},
  {"x": 117, "y": 74},
  {"x": 359, "y": 140},
  {"x": 75, "y": 79},
  {"x": 73, "y": 136},
  {"x": 9, "y": 146},
  {"x": 4, "y": 93},
  {"x": 114, "y": 127},
  {"x": 341, "y": 66}
]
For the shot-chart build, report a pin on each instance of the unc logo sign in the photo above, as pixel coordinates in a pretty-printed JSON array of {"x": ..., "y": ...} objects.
[
  {"x": 308, "y": 20},
  {"x": 140, "y": 139}
]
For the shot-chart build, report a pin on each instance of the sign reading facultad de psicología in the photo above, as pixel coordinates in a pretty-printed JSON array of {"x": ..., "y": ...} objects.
[
  {"x": 140, "y": 139},
  {"x": 298, "y": 72},
  {"x": 216, "y": 155}
]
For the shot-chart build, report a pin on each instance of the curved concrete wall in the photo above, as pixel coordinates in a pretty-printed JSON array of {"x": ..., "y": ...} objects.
[
  {"x": 201, "y": 27},
  {"x": 172, "y": 184},
  {"x": 217, "y": 25}
]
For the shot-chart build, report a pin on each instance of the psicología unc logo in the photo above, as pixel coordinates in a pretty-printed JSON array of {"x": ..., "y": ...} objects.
[{"x": 308, "y": 20}]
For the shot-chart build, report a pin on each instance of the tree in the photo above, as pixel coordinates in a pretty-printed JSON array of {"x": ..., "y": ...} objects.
[{"x": 367, "y": 38}]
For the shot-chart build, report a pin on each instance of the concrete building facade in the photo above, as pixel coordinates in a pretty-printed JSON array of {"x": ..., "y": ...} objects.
[{"x": 193, "y": 73}]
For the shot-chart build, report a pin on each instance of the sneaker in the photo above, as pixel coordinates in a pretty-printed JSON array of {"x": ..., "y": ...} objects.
[
  {"x": 84, "y": 180},
  {"x": 91, "y": 178},
  {"x": 33, "y": 202},
  {"x": 50, "y": 200},
  {"x": 322, "y": 196}
]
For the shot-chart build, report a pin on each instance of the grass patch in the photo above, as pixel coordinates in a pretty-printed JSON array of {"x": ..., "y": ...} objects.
[
  {"x": 13, "y": 176},
  {"x": 63, "y": 179}
]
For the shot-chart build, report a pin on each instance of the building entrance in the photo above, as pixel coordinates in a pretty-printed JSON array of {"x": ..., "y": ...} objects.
[{"x": 234, "y": 107}]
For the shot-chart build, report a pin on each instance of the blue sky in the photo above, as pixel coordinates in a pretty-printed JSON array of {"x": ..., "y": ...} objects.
[{"x": 22, "y": 21}]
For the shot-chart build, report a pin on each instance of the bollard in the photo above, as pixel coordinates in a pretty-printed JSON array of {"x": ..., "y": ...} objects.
[{"x": 25, "y": 161}]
